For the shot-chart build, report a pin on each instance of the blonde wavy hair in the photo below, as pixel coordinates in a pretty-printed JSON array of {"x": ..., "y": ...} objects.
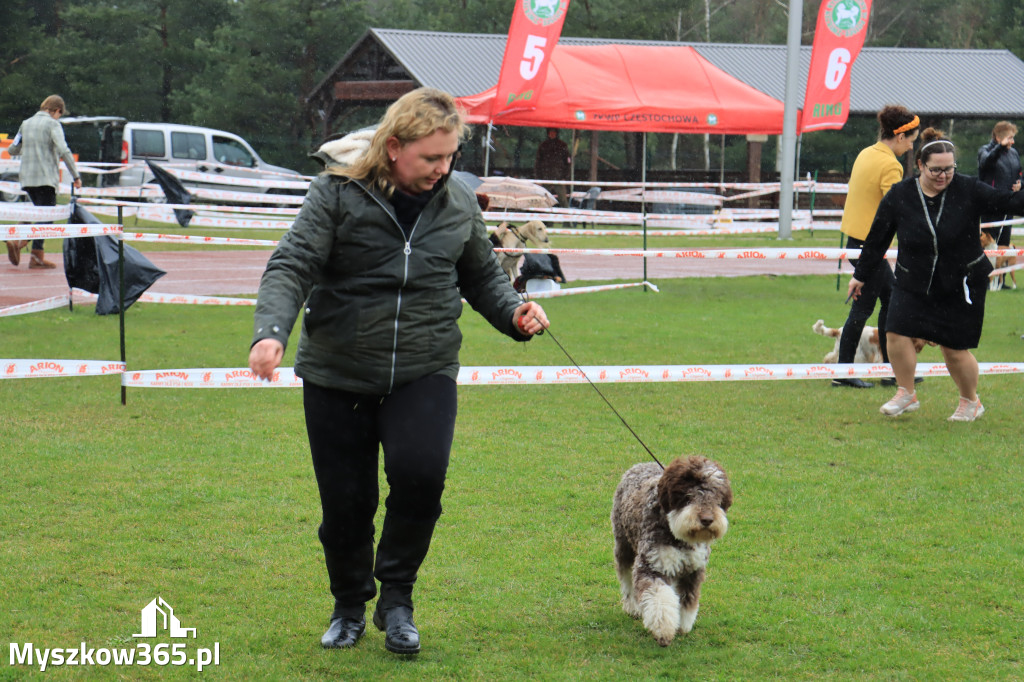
[{"x": 413, "y": 116}]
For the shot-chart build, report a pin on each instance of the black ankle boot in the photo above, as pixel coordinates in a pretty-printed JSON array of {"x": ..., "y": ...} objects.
[
  {"x": 343, "y": 633},
  {"x": 402, "y": 548},
  {"x": 400, "y": 633}
]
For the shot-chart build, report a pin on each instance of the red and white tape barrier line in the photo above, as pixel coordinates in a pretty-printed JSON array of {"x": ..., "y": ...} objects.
[
  {"x": 195, "y": 239},
  {"x": 130, "y": 192},
  {"x": 572, "y": 291},
  {"x": 35, "y": 306},
  {"x": 663, "y": 197},
  {"x": 201, "y": 208},
  {"x": 165, "y": 216},
  {"x": 57, "y": 231},
  {"x": 237, "y": 377},
  {"x": 85, "y": 297},
  {"x": 1003, "y": 271},
  {"x": 495, "y": 375},
  {"x": 34, "y": 369},
  {"x": 245, "y": 197},
  {"x": 758, "y": 254},
  {"x": 12, "y": 188},
  {"x": 22, "y": 211}
]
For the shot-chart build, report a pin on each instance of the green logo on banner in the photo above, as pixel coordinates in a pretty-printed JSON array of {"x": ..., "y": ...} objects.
[
  {"x": 544, "y": 12},
  {"x": 846, "y": 18}
]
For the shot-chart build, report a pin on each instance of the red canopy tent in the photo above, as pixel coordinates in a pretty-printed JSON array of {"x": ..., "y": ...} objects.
[{"x": 655, "y": 89}]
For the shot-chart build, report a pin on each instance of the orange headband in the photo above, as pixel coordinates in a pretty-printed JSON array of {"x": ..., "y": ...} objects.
[{"x": 907, "y": 126}]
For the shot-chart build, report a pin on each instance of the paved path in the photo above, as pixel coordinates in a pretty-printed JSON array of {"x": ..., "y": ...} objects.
[{"x": 232, "y": 273}]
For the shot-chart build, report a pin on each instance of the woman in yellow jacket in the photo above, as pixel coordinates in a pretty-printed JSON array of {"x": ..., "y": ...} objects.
[{"x": 876, "y": 169}]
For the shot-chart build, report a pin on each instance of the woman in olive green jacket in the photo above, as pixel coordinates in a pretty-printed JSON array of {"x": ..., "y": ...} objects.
[{"x": 380, "y": 256}]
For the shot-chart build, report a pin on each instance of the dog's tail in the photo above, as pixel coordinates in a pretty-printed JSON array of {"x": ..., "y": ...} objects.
[{"x": 820, "y": 328}]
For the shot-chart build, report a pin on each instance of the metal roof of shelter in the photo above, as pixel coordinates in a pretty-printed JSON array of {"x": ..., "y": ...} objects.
[{"x": 929, "y": 82}]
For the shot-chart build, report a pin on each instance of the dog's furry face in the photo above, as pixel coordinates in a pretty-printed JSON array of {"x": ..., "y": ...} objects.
[{"x": 694, "y": 495}]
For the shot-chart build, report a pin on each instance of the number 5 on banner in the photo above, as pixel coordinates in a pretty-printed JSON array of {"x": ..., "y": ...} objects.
[
  {"x": 838, "y": 61},
  {"x": 533, "y": 57}
]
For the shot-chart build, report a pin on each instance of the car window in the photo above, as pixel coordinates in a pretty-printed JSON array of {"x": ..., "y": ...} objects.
[
  {"x": 232, "y": 152},
  {"x": 148, "y": 143},
  {"x": 188, "y": 146}
]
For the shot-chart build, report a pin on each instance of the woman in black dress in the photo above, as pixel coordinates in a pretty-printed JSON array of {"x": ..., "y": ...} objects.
[{"x": 941, "y": 269}]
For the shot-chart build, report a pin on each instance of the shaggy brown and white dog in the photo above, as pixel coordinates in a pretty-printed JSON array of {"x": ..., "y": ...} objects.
[
  {"x": 507, "y": 236},
  {"x": 868, "y": 349},
  {"x": 664, "y": 523}
]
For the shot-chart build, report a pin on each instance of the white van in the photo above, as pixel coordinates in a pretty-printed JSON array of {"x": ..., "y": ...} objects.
[{"x": 184, "y": 147}]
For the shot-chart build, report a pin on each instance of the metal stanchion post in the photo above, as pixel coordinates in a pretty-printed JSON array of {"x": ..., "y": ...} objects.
[{"x": 120, "y": 276}]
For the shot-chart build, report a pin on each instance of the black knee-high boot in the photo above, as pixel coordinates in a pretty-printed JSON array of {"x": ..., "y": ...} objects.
[
  {"x": 352, "y": 585},
  {"x": 402, "y": 548}
]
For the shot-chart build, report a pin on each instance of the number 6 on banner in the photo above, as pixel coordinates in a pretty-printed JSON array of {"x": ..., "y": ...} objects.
[
  {"x": 838, "y": 61},
  {"x": 533, "y": 57}
]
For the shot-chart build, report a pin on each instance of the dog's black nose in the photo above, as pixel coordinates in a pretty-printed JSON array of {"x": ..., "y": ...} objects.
[{"x": 706, "y": 520}]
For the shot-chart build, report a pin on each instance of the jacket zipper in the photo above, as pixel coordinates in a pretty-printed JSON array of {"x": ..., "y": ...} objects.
[{"x": 407, "y": 251}]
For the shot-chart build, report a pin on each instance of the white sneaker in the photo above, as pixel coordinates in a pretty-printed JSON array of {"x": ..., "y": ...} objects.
[
  {"x": 967, "y": 411},
  {"x": 902, "y": 402}
]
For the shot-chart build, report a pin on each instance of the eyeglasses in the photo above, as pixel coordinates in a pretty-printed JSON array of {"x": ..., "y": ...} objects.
[{"x": 936, "y": 172}]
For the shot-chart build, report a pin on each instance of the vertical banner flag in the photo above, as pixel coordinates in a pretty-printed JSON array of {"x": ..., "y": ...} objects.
[
  {"x": 838, "y": 37},
  {"x": 532, "y": 36}
]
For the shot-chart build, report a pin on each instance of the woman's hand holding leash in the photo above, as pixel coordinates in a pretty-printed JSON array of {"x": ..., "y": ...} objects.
[
  {"x": 854, "y": 289},
  {"x": 265, "y": 357},
  {"x": 530, "y": 318}
]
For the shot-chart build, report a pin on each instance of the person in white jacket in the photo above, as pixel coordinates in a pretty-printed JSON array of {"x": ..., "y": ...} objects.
[{"x": 41, "y": 145}]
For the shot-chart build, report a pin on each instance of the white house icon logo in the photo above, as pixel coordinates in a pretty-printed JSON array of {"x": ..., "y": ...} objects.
[{"x": 169, "y": 620}]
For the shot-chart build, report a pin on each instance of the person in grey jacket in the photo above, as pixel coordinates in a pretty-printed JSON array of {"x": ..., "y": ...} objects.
[
  {"x": 40, "y": 144},
  {"x": 378, "y": 259},
  {"x": 941, "y": 269}
]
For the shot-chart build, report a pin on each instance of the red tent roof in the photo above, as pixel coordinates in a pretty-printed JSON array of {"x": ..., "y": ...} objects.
[{"x": 655, "y": 89}]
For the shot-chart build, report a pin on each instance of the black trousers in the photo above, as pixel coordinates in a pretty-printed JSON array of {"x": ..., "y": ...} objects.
[
  {"x": 414, "y": 427},
  {"x": 878, "y": 288},
  {"x": 41, "y": 196}
]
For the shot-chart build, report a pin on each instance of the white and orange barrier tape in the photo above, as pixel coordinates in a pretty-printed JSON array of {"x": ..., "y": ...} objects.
[
  {"x": 195, "y": 239},
  {"x": 739, "y": 254},
  {"x": 66, "y": 231},
  {"x": 497, "y": 375},
  {"x": 81, "y": 296},
  {"x": 34, "y": 369},
  {"x": 572, "y": 291},
  {"x": 36, "y": 306},
  {"x": 34, "y": 214}
]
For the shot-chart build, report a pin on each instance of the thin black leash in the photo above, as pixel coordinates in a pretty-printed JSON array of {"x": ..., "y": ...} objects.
[{"x": 603, "y": 397}]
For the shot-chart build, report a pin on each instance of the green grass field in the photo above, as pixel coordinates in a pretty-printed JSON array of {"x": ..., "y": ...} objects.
[{"x": 860, "y": 547}]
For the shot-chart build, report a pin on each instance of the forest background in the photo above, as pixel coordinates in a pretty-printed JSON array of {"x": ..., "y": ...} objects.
[{"x": 247, "y": 65}]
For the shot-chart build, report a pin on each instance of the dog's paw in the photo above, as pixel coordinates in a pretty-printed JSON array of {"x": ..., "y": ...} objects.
[
  {"x": 660, "y": 608},
  {"x": 689, "y": 617}
]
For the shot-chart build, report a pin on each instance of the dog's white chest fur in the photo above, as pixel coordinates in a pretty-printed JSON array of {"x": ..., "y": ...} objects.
[{"x": 675, "y": 561}]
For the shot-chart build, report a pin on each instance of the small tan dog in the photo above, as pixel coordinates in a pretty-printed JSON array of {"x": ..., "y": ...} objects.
[
  {"x": 507, "y": 236},
  {"x": 997, "y": 282},
  {"x": 868, "y": 349},
  {"x": 664, "y": 523}
]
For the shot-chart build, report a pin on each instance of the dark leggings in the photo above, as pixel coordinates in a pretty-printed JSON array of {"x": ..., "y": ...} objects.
[
  {"x": 41, "y": 196},
  {"x": 877, "y": 288},
  {"x": 414, "y": 425}
]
